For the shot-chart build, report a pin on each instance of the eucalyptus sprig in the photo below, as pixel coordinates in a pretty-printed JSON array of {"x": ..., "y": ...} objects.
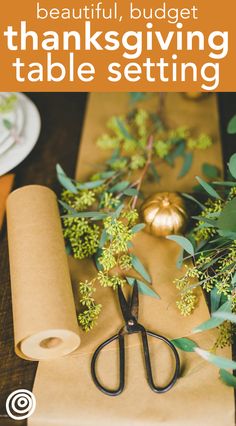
[
  {"x": 130, "y": 136},
  {"x": 100, "y": 216},
  {"x": 211, "y": 244},
  {"x": 99, "y": 222}
]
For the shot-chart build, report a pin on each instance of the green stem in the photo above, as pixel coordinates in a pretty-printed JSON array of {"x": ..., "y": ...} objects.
[{"x": 145, "y": 169}]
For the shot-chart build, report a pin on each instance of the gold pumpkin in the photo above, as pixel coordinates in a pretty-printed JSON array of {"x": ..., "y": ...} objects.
[
  {"x": 164, "y": 213},
  {"x": 195, "y": 96}
]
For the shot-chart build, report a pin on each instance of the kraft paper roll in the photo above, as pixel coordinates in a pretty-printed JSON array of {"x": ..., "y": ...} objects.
[{"x": 45, "y": 324}]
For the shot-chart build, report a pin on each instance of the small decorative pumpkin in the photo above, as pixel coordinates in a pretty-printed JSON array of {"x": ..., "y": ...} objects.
[
  {"x": 195, "y": 96},
  {"x": 164, "y": 213}
]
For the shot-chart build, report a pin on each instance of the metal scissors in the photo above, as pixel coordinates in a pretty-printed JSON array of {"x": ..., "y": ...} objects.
[{"x": 130, "y": 314}]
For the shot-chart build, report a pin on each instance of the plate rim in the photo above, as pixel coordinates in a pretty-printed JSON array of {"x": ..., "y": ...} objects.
[{"x": 15, "y": 161}]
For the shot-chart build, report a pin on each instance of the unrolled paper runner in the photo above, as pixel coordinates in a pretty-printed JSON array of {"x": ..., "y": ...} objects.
[
  {"x": 45, "y": 324},
  {"x": 64, "y": 390}
]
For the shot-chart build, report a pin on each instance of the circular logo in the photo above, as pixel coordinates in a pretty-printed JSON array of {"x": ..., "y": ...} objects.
[{"x": 20, "y": 404}]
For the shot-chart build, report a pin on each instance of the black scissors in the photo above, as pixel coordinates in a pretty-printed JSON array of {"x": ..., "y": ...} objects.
[{"x": 130, "y": 314}]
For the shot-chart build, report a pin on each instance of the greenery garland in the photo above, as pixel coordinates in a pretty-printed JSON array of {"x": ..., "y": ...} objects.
[
  {"x": 101, "y": 219},
  {"x": 100, "y": 216},
  {"x": 213, "y": 251},
  {"x": 211, "y": 244}
]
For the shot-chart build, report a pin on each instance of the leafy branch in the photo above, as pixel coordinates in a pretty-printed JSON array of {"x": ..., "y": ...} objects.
[
  {"x": 211, "y": 244},
  {"x": 100, "y": 216}
]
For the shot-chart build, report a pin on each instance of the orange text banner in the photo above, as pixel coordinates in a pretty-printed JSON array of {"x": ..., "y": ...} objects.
[{"x": 71, "y": 45}]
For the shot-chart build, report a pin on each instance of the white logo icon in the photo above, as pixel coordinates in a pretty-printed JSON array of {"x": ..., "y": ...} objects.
[{"x": 20, "y": 404}]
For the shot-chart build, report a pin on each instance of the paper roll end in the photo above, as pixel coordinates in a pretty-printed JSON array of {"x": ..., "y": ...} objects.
[{"x": 49, "y": 344}]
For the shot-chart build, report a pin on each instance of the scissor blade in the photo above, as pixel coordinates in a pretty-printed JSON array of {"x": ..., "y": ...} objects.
[
  {"x": 134, "y": 301},
  {"x": 123, "y": 305}
]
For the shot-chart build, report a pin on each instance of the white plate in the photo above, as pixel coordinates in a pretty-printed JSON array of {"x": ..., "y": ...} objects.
[
  {"x": 18, "y": 151},
  {"x": 31, "y": 125},
  {"x": 16, "y": 117},
  {"x": 4, "y": 132}
]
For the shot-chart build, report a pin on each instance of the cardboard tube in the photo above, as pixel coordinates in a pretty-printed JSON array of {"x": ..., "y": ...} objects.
[{"x": 45, "y": 324}]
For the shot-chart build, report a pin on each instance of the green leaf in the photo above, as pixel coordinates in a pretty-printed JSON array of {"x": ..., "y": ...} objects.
[
  {"x": 169, "y": 160},
  {"x": 231, "y": 129},
  {"x": 124, "y": 130},
  {"x": 227, "y": 378},
  {"x": 138, "y": 266},
  {"x": 190, "y": 197},
  {"x": 213, "y": 321},
  {"x": 92, "y": 215},
  {"x": 143, "y": 288},
  {"x": 233, "y": 282},
  {"x": 198, "y": 188},
  {"x": 103, "y": 238},
  {"x": 67, "y": 207},
  {"x": 154, "y": 172},
  {"x": 178, "y": 151},
  {"x": 208, "y": 188},
  {"x": 118, "y": 211},
  {"x": 138, "y": 227},
  {"x": 232, "y": 165},
  {"x": 228, "y": 183},
  {"x": 227, "y": 218},
  {"x": 8, "y": 104},
  {"x": 137, "y": 96},
  {"x": 210, "y": 171},
  {"x": 225, "y": 316},
  {"x": 131, "y": 192},
  {"x": 65, "y": 181},
  {"x": 209, "y": 222},
  {"x": 227, "y": 234},
  {"x": 158, "y": 124},
  {"x": 68, "y": 250},
  {"x": 188, "y": 159},
  {"x": 184, "y": 344},
  {"x": 115, "y": 156},
  {"x": 215, "y": 299},
  {"x": 226, "y": 268},
  {"x": 209, "y": 264},
  {"x": 7, "y": 124},
  {"x": 96, "y": 257},
  {"x": 107, "y": 175},
  {"x": 119, "y": 187},
  {"x": 216, "y": 360},
  {"x": 219, "y": 240},
  {"x": 91, "y": 185},
  {"x": 183, "y": 242}
]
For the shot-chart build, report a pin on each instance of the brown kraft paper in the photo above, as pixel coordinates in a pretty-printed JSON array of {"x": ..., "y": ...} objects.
[
  {"x": 64, "y": 389},
  {"x": 45, "y": 324}
]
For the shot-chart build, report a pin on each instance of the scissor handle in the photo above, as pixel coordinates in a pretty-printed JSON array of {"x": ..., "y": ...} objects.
[
  {"x": 120, "y": 388},
  {"x": 154, "y": 388},
  {"x": 150, "y": 380}
]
